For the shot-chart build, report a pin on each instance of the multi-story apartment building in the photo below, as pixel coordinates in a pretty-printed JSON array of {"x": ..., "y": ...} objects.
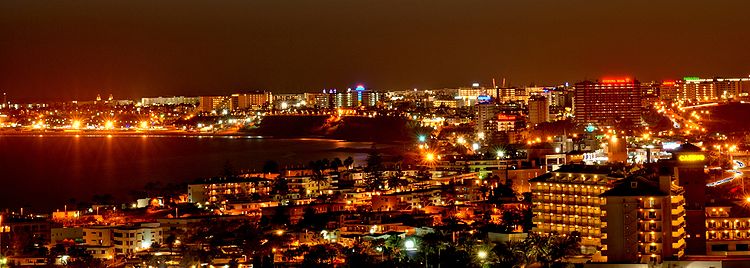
[
  {"x": 643, "y": 220},
  {"x": 130, "y": 239},
  {"x": 97, "y": 235},
  {"x": 484, "y": 115},
  {"x": 255, "y": 99},
  {"x": 176, "y": 100},
  {"x": 358, "y": 97},
  {"x": 668, "y": 90},
  {"x": 611, "y": 102},
  {"x": 728, "y": 228},
  {"x": 538, "y": 110},
  {"x": 696, "y": 89},
  {"x": 223, "y": 189},
  {"x": 702, "y": 89},
  {"x": 106, "y": 241},
  {"x": 215, "y": 103},
  {"x": 567, "y": 200},
  {"x": 507, "y": 123}
]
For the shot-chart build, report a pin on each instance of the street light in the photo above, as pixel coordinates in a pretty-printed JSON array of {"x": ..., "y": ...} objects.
[
  {"x": 409, "y": 245},
  {"x": 500, "y": 154},
  {"x": 482, "y": 254}
]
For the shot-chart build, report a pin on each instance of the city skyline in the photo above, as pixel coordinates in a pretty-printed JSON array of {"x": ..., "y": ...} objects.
[
  {"x": 61, "y": 49},
  {"x": 375, "y": 133}
]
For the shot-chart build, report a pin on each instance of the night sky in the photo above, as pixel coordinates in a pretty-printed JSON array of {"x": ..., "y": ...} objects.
[{"x": 76, "y": 49}]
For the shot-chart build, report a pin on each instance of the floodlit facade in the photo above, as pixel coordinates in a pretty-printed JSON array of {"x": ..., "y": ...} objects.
[
  {"x": 611, "y": 102},
  {"x": 567, "y": 200},
  {"x": 222, "y": 189},
  {"x": 538, "y": 110},
  {"x": 643, "y": 221},
  {"x": 728, "y": 228}
]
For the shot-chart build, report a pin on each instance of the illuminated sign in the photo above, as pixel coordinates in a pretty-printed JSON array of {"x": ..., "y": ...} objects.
[
  {"x": 484, "y": 98},
  {"x": 692, "y": 157},
  {"x": 691, "y": 78},
  {"x": 668, "y": 83},
  {"x": 360, "y": 88},
  {"x": 503, "y": 117},
  {"x": 616, "y": 80}
]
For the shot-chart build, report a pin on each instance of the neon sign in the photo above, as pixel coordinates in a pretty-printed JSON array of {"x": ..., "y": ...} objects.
[
  {"x": 691, "y": 157},
  {"x": 616, "y": 80},
  {"x": 668, "y": 83}
]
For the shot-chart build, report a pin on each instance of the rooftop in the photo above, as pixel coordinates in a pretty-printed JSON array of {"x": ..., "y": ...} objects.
[{"x": 635, "y": 186}]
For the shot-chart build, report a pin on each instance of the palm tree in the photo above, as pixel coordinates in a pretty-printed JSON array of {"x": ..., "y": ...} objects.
[
  {"x": 348, "y": 162},
  {"x": 336, "y": 164},
  {"x": 397, "y": 180},
  {"x": 318, "y": 175}
]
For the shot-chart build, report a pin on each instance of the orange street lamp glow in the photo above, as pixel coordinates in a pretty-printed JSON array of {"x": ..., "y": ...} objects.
[
  {"x": 109, "y": 124},
  {"x": 429, "y": 157},
  {"x": 76, "y": 124},
  {"x": 144, "y": 124}
]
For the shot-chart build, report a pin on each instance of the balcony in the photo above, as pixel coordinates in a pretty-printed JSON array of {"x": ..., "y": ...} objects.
[
  {"x": 678, "y": 212},
  {"x": 679, "y": 245},
  {"x": 678, "y": 223},
  {"x": 679, "y": 233},
  {"x": 645, "y": 205}
]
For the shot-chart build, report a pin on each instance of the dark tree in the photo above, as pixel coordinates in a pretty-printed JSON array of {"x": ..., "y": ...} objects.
[
  {"x": 271, "y": 167},
  {"x": 374, "y": 169},
  {"x": 336, "y": 164}
]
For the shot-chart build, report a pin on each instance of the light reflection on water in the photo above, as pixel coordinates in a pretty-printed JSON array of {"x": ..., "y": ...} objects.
[{"x": 44, "y": 171}]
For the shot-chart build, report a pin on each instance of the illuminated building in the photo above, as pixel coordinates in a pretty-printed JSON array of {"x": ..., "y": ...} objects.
[
  {"x": 701, "y": 89},
  {"x": 484, "y": 115},
  {"x": 513, "y": 94},
  {"x": 668, "y": 90},
  {"x": 696, "y": 89},
  {"x": 320, "y": 100},
  {"x": 222, "y": 189},
  {"x": 567, "y": 200},
  {"x": 687, "y": 166},
  {"x": 256, "y": 99},
  {"x": 728, "y": 228},
  {"x": 538, "y": 110},
  {"x": 445, "y": 103},
  {"x": 124, "y": 239},
  {"x": 611, "y": 102},
  {"x": 358, "y": 97},
  {"x": 509, "y": 123},
  {"x": 643, "y": 220},
  {"x": 131, "y": 239},
  {"x": 215, "y": 103},
  {"x": 176, "y": 100}
]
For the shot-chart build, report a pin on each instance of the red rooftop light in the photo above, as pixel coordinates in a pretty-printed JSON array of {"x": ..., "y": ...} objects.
[{"x": 617, "y": 80}]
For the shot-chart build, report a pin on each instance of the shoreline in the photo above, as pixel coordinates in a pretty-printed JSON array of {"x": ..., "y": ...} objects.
[{"x": 161, "y": 134}]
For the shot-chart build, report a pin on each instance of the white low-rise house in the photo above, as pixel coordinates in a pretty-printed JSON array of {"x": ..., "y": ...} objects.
[
  {"x": 130, "y": 239},
  {"x": 97, "y": 235},
  {"x": 107, "y": 241}
]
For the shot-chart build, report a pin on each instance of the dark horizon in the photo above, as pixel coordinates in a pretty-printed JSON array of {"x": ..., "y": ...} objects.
[{"x": 67, "y": 51}]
